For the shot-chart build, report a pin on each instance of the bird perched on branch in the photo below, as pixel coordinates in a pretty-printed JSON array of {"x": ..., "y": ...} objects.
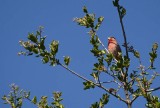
[{"x": 113, "y": 47}]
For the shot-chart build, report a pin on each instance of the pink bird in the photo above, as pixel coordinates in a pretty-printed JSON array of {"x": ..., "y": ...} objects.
[{"x": 113, "y": 47}]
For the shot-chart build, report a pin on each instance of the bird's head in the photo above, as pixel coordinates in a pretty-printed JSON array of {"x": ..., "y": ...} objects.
[{"x": 112, "y": 40}]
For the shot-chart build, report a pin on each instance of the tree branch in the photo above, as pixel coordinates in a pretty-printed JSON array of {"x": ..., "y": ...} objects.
[
  {"x": 126, "y": 46},
  {"x": 112, "y": 81},
  {"x": 124, "y": 34},
  {"x": 150, "y": 90},
  {"x": 134, "y": 99},
  {"x": 64, "y": 66},
  {"x": 115, "y": 78},
  {"x": 98, "y": 85}
]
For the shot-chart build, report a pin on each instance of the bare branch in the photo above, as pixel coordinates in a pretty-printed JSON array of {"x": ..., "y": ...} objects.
[
  {"x": 134, "y": 98},
  {"x": 150, "y": 90},
  {"x": 98, "y": 85},
  {"x": 115, "y": 78},
  {"x": 124, "y": 34},
  {"x": 64, "y": 66},
  {"x": 113, "y": 81}
]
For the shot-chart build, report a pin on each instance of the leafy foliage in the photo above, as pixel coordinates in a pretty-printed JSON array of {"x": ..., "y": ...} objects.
[
  {"x": 88, "y": 85},
  {"x": 36, "y": 45},
  {"x": 134, "y": 83},
  {"x": 67, "y": 60},
  {"x": 153, "y": 54},
  {"x": 103, "y": 101},
  {"x": 16, "y": 96}
]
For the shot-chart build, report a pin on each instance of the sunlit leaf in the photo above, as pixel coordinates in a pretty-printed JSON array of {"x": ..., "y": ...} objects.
[
  {"x": 88, "y": 85},
  {"x": 34, "y": 100},
  {"x": 136, "y": 54},
  {"x": 32, "y": 38},
  {"x": 67, "y": 60},
  {"x": 45, "y": 59}
]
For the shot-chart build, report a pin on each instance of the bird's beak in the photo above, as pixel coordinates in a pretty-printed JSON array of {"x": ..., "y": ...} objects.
[{"x": 109, "y": 38}]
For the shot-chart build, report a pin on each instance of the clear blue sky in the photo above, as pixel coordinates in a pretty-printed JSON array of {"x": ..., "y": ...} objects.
[{"x": 18, "y": 17}]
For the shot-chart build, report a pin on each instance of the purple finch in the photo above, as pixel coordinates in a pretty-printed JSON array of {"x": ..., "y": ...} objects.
[{"x": 113, "y": 47}]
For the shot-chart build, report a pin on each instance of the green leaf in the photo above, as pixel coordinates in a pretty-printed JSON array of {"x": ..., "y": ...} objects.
[
  {"x": 35, "y": 50},
  {"x": 136, "y": 54},
  {"x": 137, "y": 92},
  {"x": 158, "y": 104},
  {"x": 19, "y": 103},
  {"x": 32, "y": 38},
  {"x": 88, "y": 85},
  {"x": 112, "y": 68},
  {"x": 115, "y": 3},
  {"x": 96, "y": 52},
  {"x": 85, "y": 9},
  {"x": 95, "y": 75},
  {"x": 153, "y": 54},
  {"x": 97, "y": 26},
  {"x": 155, "y": 46},
  {"x": 57, "y": 99},
  {"x": 100, "y": 19},
  {"x": 45, "y": 59},
  {"x": 119, "y": 64},
  {"x": 90, "y": 18},
  {"x": 42, "y": 46},
  {"x": 34, "y": 100},
  {"x": 123, "y": 12},
  {"x": 126, "y": 62},
  {"x": 38, "y": 33},
  {"x": 53, "y": 62},
  {"x": 105, "y": 99},
  {"x": 67, "y": 60},
  {"x": 4, "y": 97},
  {"x": 54, "y": 47},
  {"x": 109, "y": 58},
  {"x": 95, "y": 105},
  {"x": 27, "y": 95},
  {"x": 103, "y": 52}
]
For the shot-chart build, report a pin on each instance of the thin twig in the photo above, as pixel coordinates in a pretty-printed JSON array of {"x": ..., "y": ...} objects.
[
  {"x": 115, "y": 78},
  {"x": 134, "y": 98},
  {"x": 113, "y": 81},
  {"x": 119, "y": 87},
  {"x": 99, "y": 78},
  {"x": 8, "y": 101},
  {"x": 153, "y": 77},
  {"x": 98, "y": 85},
  {"x": 115, "y": 95},
  {"x": 150, "y": 90},
  {"x": 64, "y": 66},
  {"x": 106, "y": 82},
  {"x": 133, "y": 79}
]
